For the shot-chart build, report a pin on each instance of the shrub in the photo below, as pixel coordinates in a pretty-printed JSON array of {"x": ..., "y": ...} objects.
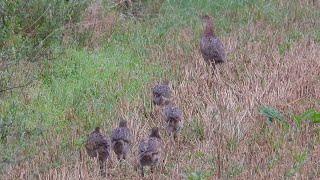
[
  {"x": 30, "y": 27},
  {"x": 29, "y": 32}
]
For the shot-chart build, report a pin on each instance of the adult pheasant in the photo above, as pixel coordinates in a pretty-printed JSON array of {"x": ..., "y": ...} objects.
[
  {"x": 121, "y": 140},
  {"x": 150, "y": 151},
  {"x": 211, "y": 47},
  {"x": 98, "y": 145}
]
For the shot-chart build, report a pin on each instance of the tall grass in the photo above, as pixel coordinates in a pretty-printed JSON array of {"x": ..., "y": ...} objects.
[{"x": 272, "y": 48}]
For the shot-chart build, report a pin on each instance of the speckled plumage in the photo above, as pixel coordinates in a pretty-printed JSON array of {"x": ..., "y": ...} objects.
[
  {"x": 211, "y": 47},
  {"x": 174, "y": 119},
  {"x": 161, "y": 94},
  {"x": 150, "y": 151},
  {"x": 98, "y": 145},
  {"x": 121, "y": 140}
]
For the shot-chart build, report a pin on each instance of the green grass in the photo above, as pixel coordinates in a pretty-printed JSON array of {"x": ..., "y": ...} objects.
[
  {"x": 81, "y": 89},
  {"x": 103, "y": 78},
  {"x": 76, "y": 81}
]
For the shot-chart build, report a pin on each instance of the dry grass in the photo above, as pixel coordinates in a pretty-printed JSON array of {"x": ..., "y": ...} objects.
[
  {"x": 97, "y": 25},
  {"x": 224, "y": 135}
]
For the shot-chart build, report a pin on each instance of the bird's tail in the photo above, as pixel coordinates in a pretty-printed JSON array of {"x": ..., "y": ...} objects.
[
  {"x": 118, "y": 145},
  {"x": 146, "y": 157}
]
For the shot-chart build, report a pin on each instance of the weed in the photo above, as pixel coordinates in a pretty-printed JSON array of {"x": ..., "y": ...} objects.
[
  {"x": 309, "y": 115},
  {"x": 86, "y": 76},
  {"x": 271, "y": 113},
  {"x": 199, "y": 175}
]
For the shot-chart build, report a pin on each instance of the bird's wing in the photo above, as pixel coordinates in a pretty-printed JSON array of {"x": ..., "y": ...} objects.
[
  {"x": 94, "y": 142},
  {"x": 143, "y": 146},
  {"x": 122, "y": 134},
  {"x": 217, "y": 49},
  {"x": 154, "y": 145}
]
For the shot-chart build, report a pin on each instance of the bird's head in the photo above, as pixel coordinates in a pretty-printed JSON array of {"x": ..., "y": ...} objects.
[
  {"x": 97, "y": 129},
  {"x": 123, "y": 123},
  {"x": 207, "y": 23},
  {"x": 155, "y": 132},
  {"x": 206, "y": 18}
]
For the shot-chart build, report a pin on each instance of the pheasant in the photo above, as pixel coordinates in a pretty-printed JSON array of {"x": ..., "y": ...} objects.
[
  {"x": 161, "y": 94},
  {"x": 174, "y": 119},
  {"x": 211, "y": 47},
  {"x": 121, "y": 140},
  {"x": 150, "y": 151},
  {"x": 98, "y": 145}
]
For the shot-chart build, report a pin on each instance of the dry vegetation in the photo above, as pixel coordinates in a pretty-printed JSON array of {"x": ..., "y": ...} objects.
[{"x": 224, "y": 136}]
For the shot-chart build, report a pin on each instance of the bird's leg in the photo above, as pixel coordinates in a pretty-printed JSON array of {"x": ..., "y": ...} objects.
[
  {"x": 176, "y": 138},
  {"x": 152, "y": 168},
  {"x": 210, "y": 74},
  {"x": 102, "y": 168},
  {"x": 119, "y": 157},
  {"x": 142, "y": 172},
  {"x": 212, "y": 68},
  {"x": 172, "y": 138}
]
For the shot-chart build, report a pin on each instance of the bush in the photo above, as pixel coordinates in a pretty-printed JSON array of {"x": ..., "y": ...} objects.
[{"x": 28, "y": 28}]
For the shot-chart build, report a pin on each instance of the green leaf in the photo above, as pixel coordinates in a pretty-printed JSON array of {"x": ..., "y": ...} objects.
[{"x": 311, "y": 115}]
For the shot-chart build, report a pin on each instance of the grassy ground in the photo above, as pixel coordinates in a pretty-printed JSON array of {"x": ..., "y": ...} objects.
[{"x": 273, "y": 49}]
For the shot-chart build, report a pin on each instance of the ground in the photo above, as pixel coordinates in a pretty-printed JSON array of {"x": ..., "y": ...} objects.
[{"x": 272, "y": 62}]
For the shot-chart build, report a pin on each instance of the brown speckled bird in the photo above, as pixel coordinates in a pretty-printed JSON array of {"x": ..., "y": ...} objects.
[
  {"x": 161, "y": 94},
  {"x": 211, "y": 47},
  {"x": 98, "y": 145},
  {"x": 121, "y": 140},
  {"x": 174, "y": 119},
  {"x": 150, "y": 151}
]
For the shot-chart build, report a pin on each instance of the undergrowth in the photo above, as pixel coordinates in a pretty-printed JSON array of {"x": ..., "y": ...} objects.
[{"x": 82, "y": 76}]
